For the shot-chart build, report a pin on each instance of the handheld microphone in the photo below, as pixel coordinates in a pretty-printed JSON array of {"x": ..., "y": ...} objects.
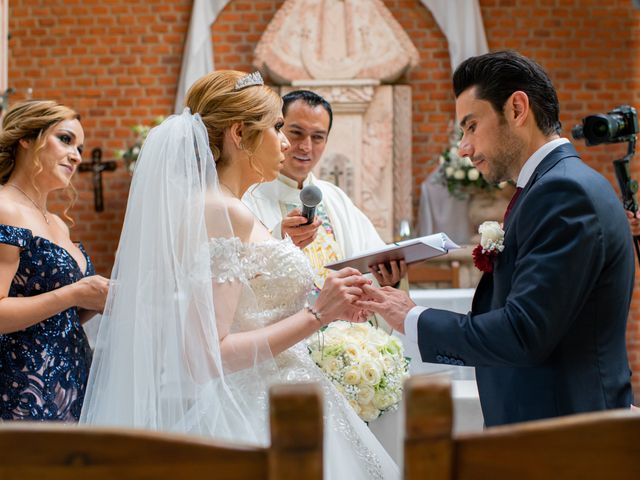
[{"x": 310, "y": 196}]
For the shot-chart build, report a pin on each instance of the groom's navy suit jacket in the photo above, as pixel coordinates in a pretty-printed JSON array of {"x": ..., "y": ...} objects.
[{"x": 547, "y": 328}]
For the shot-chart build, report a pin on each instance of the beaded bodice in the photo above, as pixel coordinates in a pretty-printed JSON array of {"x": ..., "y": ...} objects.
[
  {"x": 277, "y": 272},
  {"x": 44, "y": 368}
]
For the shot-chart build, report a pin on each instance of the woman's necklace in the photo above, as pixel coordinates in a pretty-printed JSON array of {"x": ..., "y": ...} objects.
[{"x": 41, "y": 210}]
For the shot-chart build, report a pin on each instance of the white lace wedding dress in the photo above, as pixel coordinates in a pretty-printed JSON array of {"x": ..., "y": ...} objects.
[{"x": 278, "y": 278}]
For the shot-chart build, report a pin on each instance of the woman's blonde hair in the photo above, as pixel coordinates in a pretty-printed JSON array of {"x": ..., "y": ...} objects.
[
  {"x": 31, "y": 120},
  {"x": 220, "y": 105}
]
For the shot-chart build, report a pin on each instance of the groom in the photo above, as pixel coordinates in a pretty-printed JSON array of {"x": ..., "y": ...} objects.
[{"x": 547, "y": 328}]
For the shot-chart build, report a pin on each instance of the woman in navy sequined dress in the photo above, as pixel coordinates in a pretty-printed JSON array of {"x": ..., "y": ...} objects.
[{"x": 47, "y": 284}]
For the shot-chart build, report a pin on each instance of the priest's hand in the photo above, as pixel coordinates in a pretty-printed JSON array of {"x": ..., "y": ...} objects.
[
  {"x": 392, "y": 304},
  {"x": 294, "y": 226},
  {"x": 389, "y": 275}
]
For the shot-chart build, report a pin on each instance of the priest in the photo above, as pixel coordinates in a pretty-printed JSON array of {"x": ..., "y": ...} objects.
[{"x": 339, "y": 230}]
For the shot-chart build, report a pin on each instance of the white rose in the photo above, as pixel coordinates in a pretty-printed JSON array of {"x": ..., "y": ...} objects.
[
  {"x": 491, "y": 235},
  {"x": 377, "y": 337},
  {"x": 441, "y": 160},
  {"x": 383, "y": 400},
  {"x": 371, "y": 372},
  {"x": 355, "y": 406},
  {"x": 473, "y": 174},
  {"x": 365, "y": 394},
  {"x": 454, "y": 151},
  {"x": 459, "y": 175},
  {"x": 135, "y": 150},
  {"x": 372, "y": 351},
  {"x": 369, "y": 413},
  {"x": 467, "y": 161},
  {"x": 331, "y": 365},
  {"x": 352, "y": 376},
  {"x": 449, "y": 171},
  {"x": 353, "y": 350}
]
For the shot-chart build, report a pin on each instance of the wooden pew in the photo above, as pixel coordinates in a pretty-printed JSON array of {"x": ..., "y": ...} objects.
[
  {"x": 435, "y": 272},
  {"x": 590, "y": 446},
  {"x": 66, "y": 452}
]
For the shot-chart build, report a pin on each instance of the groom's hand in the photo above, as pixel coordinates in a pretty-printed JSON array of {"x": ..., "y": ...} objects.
[
  {"x": 392, "y": 304},
  {"x": 294, "y": 226}
]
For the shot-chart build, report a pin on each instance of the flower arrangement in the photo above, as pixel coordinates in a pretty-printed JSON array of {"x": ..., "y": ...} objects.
[
  {"x": 365, "y": 363},
  {"x": 458, "y": 173},
  {"x": 491, "y": 244},
  {"x": 130, "y": 155}
]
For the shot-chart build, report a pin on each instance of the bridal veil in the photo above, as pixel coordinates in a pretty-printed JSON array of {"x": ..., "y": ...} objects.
[{"x": 157, "y": 361}]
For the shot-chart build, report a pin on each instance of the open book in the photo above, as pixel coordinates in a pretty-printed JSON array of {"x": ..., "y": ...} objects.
[{"x": 413, "y": 250}]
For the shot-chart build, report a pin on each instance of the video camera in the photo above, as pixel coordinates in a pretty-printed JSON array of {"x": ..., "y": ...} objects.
[{"x": 618, "y": 125}]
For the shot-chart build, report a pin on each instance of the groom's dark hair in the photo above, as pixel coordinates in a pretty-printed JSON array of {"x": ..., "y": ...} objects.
[
  {"x": 497, "y": 75},
  {"x": 310, "y": 98}
]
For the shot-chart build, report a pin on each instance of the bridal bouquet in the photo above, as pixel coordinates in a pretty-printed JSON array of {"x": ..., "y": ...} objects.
[{"x": 365, "y": 363}]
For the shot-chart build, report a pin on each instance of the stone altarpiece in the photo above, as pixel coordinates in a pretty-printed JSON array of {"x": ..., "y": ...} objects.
[{"x": 352, "y": 52}]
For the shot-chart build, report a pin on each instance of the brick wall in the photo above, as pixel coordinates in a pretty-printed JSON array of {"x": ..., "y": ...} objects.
[{"x": 118, "y": 62}]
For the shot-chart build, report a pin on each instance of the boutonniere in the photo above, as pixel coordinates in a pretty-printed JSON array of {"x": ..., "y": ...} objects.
[{"x": 491, "y": 244}]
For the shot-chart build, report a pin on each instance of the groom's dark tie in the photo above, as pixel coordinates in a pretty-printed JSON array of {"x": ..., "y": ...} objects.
[{"x": 512, "y": 202}]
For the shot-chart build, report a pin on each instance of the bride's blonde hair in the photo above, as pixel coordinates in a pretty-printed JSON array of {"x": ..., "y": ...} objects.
[{"x": 220, "y": 105}]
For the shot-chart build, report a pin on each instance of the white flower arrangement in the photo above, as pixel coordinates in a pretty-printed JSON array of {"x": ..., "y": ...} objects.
[
  {"x": 365, "y": 363},
  {"x": 458, "y": 173},
  {"x": 130, "y": 155}
]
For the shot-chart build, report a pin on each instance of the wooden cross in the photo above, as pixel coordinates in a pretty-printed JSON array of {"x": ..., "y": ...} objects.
[{"x": 97, "y": 166}]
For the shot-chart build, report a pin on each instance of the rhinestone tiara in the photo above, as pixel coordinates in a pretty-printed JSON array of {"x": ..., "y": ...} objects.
[{"x": 249, "y": 80}]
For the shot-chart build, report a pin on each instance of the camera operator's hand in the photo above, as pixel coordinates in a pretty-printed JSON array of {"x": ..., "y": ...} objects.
[{"x": 634, "y": 222}]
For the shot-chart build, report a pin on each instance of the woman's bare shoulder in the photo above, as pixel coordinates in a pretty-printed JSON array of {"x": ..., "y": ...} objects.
[
  {"x": 10, "y": 212},
  {"x": 228, "y": 217}
]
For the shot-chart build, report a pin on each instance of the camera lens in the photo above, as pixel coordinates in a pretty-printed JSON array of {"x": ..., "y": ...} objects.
[
  {"x": 577, "y": 132},
  {"x": 599, "y": 128}
]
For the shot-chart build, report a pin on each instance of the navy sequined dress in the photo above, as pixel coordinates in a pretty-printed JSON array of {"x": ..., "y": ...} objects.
[{"x": 44, "y": 368}]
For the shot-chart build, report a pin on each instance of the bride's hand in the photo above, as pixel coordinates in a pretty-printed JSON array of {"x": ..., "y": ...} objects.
[{"x": 340, "y": 290}]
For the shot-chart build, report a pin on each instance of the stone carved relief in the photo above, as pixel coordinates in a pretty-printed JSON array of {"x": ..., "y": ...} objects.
[
  {"x": 402, "y": 174},
  {"x": 334, "y": 39},
  {"x": 346, "y": 98},
  {"x": 376, "y": 166},
  {"x": 338, "y": 169}
]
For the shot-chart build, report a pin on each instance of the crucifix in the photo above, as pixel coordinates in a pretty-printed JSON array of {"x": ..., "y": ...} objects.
[{"x": 97, "y": 166}]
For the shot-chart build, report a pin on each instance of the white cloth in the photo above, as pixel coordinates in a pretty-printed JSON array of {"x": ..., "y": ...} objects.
[
  {"x": 442, "y": 212},
  {"x": 353, "y": 231},
  {"x": 461, "y": 23},
  {"x": 460, "y": 20},
  {"x": 197, "y": 59}
]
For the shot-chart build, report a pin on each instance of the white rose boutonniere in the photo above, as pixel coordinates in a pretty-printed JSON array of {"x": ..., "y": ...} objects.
[{"x": 491, "y": 244}]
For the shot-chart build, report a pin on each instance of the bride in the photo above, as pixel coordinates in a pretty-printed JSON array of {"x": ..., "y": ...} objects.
[{"x": 206, "y": 309}]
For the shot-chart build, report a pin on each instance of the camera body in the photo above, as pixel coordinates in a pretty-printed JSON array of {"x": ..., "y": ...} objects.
[{"x": 618, "y": 125}]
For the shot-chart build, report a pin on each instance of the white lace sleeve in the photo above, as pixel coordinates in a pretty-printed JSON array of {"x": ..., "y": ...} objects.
[{"x": 226, "y": 260}]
